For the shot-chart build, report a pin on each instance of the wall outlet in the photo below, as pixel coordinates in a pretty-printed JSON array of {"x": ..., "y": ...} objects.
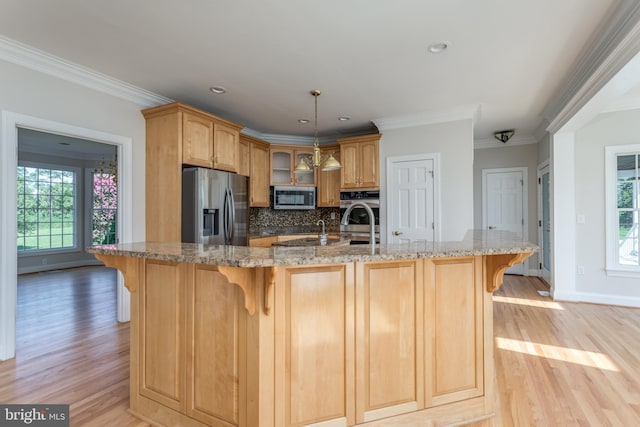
[
  {"x": 580, "y": 219},
  {"x": 581, "y": 270},
  {"x": 333, "y": 215}
]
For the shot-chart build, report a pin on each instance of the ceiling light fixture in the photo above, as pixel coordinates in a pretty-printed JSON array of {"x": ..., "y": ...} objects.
[
  {"x": 303, "y": 121},
  {"x": 504, "y": 135},
  {"x": 344, "y": 118},
  {"x": 316, "y": 160},
  {"x": 438, "y": 47},
  {"x": 218, "y": 90}
]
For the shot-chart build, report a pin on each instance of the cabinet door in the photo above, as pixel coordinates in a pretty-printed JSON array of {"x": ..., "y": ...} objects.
[
  {"x": 244, "y": 160},
  {"x": 369, "y": 177},
  {"x": 349, "y": 157},
  {"x": 161, "y": 355},
  {"x": 306, "y": 178},
  {"x": 389, "y": 339},
  {"x": 453, "y": 322},
  {"x": 225, "y": 147},
  {"x": 197, "y": 141},
  {"x": 215, "y": 341},
  {"x": 259, "y": 182},
  {"x": 314, "y": 347},
  {"x": 329, "y": 184},
  {"x": 281, "y": 166}
]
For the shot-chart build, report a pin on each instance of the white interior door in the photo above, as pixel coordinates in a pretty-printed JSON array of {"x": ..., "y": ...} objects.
[
  {"x": 411, "y": 201},
  {"x": 504, "y": 203}
]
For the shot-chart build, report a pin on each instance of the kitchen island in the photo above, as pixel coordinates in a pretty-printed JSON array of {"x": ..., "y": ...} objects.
[{"x": 395, "y": 335}]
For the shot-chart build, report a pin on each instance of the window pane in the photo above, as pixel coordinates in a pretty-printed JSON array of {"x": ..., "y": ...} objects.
[
  {"x": 44, "y": 202},
  {"x": 628, "y": 231}
]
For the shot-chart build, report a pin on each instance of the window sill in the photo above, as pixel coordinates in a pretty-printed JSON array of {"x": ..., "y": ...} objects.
[{"x": 620, "y": 272}]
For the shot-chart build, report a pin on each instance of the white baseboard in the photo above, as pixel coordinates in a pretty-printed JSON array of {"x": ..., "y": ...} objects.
[
  {"x": 532, "y": 272},
  {"x": 620, "y": 300},
  {"x": 59, "y": 266}
]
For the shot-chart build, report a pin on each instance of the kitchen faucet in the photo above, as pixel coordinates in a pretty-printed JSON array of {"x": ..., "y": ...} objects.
[
  {"x": 372, "y": 220},
  {"x": 323, "y": 236}
]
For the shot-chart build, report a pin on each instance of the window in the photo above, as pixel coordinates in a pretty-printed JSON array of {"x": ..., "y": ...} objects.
[
  {"x": 46, "y": 209},
  {"x": 104, "y": 208},
  {"x": 623, "y": 209}
]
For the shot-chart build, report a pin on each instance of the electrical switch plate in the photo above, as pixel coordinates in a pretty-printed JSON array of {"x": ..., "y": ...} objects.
[
  {"x": 580, "y": 219},
  {"x": 333, "y": 215}
]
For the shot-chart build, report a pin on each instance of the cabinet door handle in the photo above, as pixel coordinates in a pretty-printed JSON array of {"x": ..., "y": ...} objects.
[
  {"x": 491, "y": 227},
  {"x": 397, "y": 233}
]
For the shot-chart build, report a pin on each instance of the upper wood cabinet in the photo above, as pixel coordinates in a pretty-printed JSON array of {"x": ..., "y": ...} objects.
[
  {"x": 225, "y": 147},
  {"x": 177, "y": 135},
  {"x": 197, "y": 140},
  {"x": 258, "y": 158},
  {"x": 329, "y": 181},
  {"x": 244, "y": 162},
  {"x": 360, "y": 160},
  {"x": 283, "y": 160}
]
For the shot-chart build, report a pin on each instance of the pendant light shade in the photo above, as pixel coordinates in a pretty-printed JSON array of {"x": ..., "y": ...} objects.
[{"x": 307, "y": 163}]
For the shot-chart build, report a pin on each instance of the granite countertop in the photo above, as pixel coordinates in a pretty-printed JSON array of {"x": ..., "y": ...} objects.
[{"x": 476, "y": 242}]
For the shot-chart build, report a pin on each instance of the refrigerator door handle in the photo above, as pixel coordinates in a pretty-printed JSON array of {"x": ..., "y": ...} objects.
[
  {"x": 232, "y": 222},
  {"x": 225, "y": 216}
]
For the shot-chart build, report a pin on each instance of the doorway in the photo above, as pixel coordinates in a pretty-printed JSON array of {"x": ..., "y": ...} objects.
[
  {"x": 544, "y": 222},
  {"x": 504, "y": 204},
  {"x": 11, "y": 122},
  {"x": 413, "y": 198}
]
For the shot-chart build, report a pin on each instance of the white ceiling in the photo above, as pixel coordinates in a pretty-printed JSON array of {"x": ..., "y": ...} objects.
[{"x": 368, "y": 57}]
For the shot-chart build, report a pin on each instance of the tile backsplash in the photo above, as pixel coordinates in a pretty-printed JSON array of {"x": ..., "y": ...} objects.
[{"x": 264, "y": 218}]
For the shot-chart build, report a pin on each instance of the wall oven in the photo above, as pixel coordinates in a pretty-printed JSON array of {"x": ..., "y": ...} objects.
[{"x": 357, "y": 230}]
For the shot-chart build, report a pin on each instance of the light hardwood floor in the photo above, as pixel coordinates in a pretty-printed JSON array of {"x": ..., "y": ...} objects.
[{"x": 558, "y": 364}]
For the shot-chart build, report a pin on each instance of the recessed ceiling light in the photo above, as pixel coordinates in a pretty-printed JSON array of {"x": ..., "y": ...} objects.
[
  {"x": 344, "y": 118},
  {"x": 218, "y": 90},
  {"x": 303, "y": 121},
  {"x": 438, "y": 47}
]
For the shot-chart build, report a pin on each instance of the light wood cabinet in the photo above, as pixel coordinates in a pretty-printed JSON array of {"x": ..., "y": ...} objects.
[
  {"x": 191, "y": 347},
  {"x": 329, "y": 181},
  {"x": 454, "y": 306},
  {"x": 283, "y": 160},
  {"x": 225, "y": 147},
  {"x": 177, "y": 135},
  {"x": 360, "y": 158},
  {"x": 317, "y": 374},
  {"x": 393, "y": 342},
  {"x": 389, "y": 382},
  {"x": 244, "y": 153},
  {"x": 259, "y": 171},
  {"x": 197, "y": 140}
]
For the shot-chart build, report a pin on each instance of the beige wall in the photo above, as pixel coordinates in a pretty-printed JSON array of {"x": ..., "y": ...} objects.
[{"x": 454, "y": 142}]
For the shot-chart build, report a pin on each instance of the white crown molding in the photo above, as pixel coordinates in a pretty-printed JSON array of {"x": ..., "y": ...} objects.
[
  {"x": 463, "y": 112},
  {"x": 32, "y": 58},
  {"x": 602, "y": 59},
  {"x": 276, "y": 138},
  {"x": 494, "y": 143}
]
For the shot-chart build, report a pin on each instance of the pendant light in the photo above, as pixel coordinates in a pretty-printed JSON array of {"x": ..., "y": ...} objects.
[{"x": 308, "y": 162}]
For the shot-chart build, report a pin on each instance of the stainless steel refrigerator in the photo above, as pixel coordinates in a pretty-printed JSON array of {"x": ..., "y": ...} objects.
[{"x": 214, "y": 207}]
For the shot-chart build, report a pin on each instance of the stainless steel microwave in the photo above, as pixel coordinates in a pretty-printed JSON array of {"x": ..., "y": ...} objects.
[{"x": 294, "y": 197}]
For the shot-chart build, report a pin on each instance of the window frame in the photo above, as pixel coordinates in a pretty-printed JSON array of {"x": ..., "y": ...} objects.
[
  {"x": 613, "y": 266},
  {"x": 76, "y": 209}
]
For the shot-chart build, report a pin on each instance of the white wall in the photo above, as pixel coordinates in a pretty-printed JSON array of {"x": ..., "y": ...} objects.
[
  {"x": 619, "y": 128},
  {"x": 31, "y": 93},
  {"x": 454, "y": 142},
  {"x": 509, "y": 157}
]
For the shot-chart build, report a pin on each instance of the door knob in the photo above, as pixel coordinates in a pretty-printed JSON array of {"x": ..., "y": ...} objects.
[
  {"x": 397, "y": 233},
  {"x": 491, "y": 227}
]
